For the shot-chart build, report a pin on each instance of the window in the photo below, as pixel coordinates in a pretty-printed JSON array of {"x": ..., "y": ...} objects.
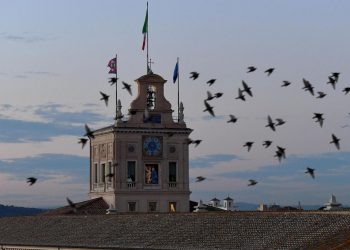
[
  {"x": 131, "y": 174},
  {"x": 95, "y": 173},
  {"x": 132, "y": 206},
  {"x": 151, "y": 173},
  {"x": 103, "y": 172},
  {"x": 172, "y": 206},
  {"x": 172, "y": 172},
  {"x": 110, "y": 171},
  {"x": 152, "y": 206}
]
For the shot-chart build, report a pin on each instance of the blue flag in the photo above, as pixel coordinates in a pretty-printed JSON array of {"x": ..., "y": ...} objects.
[{"x": 176, "y": 72}]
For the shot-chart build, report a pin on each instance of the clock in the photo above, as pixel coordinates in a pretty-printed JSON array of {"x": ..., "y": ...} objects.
[{"x": 152, "y": 145}]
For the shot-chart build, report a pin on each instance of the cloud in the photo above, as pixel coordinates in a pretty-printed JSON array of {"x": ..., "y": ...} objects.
[{"x": 211, "y": 160}]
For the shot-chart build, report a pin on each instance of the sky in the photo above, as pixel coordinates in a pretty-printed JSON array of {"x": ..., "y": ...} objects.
[{"x": 54, "y": 57}]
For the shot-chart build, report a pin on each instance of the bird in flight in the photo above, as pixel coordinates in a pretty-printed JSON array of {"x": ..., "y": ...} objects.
[
  {"x": 321, "y": 94},
  {"x": 211, "y": 82},
  {"x": 285, "y": 83},
  {"x": 72, "y": 205},
  {"x": 208, "y": 108},
  {"x": 280, "y": 153},
  {"x": 332, "y": 81},
  {"x": 311, "y": 172},
  {"x": 200, "y": 178},
  {"x": 240, "y": 95},
  {"x": 346, "y": 90},
  {"x": 319, "y": 118},
  {"x": 270, "y": 123},
  {"x": 209, "y": 96},
  {"x": 196, "y": 142},
  {"x": 233, "y": 119},
  {"x": 335, "y": 140},
  {"x": 252, "y": 182},
  {"x": 308, "y": 86},
  {"x": 246, "y": 88},
  {"x": 88, "y": 131},
  {"x": 113, "y": 80},
  {"x": 194, "y": 75},
  {"x": 267, "y": 143},
  {"x": 218, "y": 94},
  {"x": 269, "y": 71},
  {"x": 31, "y": 180},
  {"x": 83, "y": 142},
  {"x": 249, "y": 145},
  {"x": 104, "y": 97},
  {"x": 251, "y": 69},
  {"x": 127, "y": 87},
  {"x": 280, "y": 121}
]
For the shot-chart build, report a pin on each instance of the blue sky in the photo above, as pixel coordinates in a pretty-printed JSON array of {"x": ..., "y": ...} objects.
[{"x": 53, "y": 65}]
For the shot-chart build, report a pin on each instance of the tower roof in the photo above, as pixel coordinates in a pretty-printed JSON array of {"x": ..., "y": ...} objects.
[{"x": 151, "y": 77}]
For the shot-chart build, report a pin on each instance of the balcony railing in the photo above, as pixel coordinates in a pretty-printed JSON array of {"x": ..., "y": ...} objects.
[
  {"x": 172, "y": 184},
  {"x": 131, "y": 184}
]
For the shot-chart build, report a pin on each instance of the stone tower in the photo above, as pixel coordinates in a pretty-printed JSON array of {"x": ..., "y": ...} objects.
[{"x": 140, "y": 164}]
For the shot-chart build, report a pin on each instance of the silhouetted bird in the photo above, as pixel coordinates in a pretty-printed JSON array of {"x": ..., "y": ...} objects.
[
  {"x": 321, "y": 94},
  {"x": 335, "y": 140},
  {"x": 267, "y": 143},
  {"x": 252, "y": 182},
  {"x": 269, "y": 71},
  {"x": 31, "y": 180},
  {"x": 336, "y": 75},
  {"x": 113, "y": 80},
  {"x": 209, "y": 96},
  {"x": 233, "y": 119},
  {"x": 208, "y": 108},
  {"x": 282, "y": 151},
  {"x": 127, "y": 87},
  {"x": 82, "y": 141},
  {"x": 211, "y": 82},
  {"x": 194, "y": 75},
  {"x": 279, "y": 155},
  {"x": 104, "y": 98},
  {"x": 346, "y": 90},
  {"x": 311, "y": 172},
  {"x": 218, "y": 94},
  {"x": 200, "y": 178},
  {"x": 189, "y": 141},
  {"x": 270, "y": 123},
  {"x": 88, "y": 131},
  {"x": 251, "y": 69},
  {"x": 280, "y": 121},
  {"x": 240, "y": 95},
  {"x": 72, "y": 205},
  {"x": 319, "y": 118},
  {"x": 308, "y": 86},
  {"x": 285, "y": 83},
  {"x": 109, "y": 175},
  {"x": 332, "y": 81},
  {"x": 196, "y": 142},
  {"x": 249, "y": 145},
  {"x": 246, "y": 88}
]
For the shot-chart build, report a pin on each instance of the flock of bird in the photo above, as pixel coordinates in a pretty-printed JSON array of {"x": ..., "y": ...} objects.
[{"x": 280, "y": 153}]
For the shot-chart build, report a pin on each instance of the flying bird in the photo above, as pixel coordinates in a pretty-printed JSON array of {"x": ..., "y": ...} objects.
[
  {"x": 208, "y": 108},
  {"x": 233, "y": 119},
  {"x": 209, "y": 96},
  {"x": 83, "y": 141},
  {"x": 240, "y": 95},
  {"x": 194, "y": 75},
  {"x": 246, "y": 88},
  {"x": 200, "y": 178},
  {"x": 319, "y": 118},
  {"x": 280, "y": 121},
  {"x": 211, "y": 82},
  {"x": 269, "y": 71},
  {"x": 270, "y": 123},
  {"x": 332, "y": 81},
  {"x": 282, "y": 151},
  {"x": 249, "y": 145},
  {"x": 127, "y": 87},
  {"x": 308, "y": 86},
  {"x": 31, "y": 180},
  {"x": 252, "y": 182},
  {"x": 88, "y": 131},
  {"x": 335, "y": 140},
  {"x": 104, "y": 97},
  {"x": 311, "y": 172},
  {"x": 285, "y": 83},
  {"x": 251, "y": 69},
  {"x": 267, "y": 143},
  {"x": 218, "y": 94},
  {"x": 346, "y": 90},
  {"x": 113, "y": 80},
  {"x": 72, "y": 205},
  {"x": 321, "y": 94}
]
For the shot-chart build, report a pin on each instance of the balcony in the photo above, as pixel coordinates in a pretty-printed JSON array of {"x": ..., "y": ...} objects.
[
  {"x": 131, "y": 184},
  {"x": 172, "y": 185}
]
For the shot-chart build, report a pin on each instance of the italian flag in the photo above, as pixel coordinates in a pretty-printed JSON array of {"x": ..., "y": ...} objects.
[{"x": 145, "y": 29}]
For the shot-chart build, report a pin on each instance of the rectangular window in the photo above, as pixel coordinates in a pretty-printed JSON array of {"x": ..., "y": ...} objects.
[
  {"x": 131, "y": 175},
  {"x": 172, "y": 206},
  {"x": 132, "y": 206},
  {"x": 151, "y": 173},
  {"x": 95, "y": 173},
  {"x": 152, "y": 206},
  {"x": 103, "y": 172},
  {"x": 110, "y": 171},
  {"x": 172, "y": 172}
]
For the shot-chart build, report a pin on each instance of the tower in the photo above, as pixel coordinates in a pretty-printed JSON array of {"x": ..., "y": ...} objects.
[{"x": 141, "y": 163}]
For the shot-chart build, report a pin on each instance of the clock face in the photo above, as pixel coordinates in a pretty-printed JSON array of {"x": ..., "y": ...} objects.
[{"x": 152, "y": 146}]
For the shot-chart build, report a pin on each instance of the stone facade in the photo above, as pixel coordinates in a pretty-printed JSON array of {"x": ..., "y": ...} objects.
[{"x": 146, "y": 155}]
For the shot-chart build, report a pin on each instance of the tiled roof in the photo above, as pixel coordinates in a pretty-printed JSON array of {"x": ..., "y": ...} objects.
[{"x": 229, "y": 230}]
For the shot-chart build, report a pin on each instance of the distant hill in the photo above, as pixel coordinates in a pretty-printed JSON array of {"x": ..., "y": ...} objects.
[{"x": 18, "y": 211}]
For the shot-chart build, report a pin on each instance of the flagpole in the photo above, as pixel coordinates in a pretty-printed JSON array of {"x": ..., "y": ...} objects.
[
  {"x": 147, "y": 38},
  {"x": 116, "y": 86},
  {"x": 178, "y": 92}
]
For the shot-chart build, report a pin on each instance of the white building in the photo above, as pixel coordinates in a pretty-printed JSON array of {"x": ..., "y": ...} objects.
[{"x": 332, "y": 204}]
